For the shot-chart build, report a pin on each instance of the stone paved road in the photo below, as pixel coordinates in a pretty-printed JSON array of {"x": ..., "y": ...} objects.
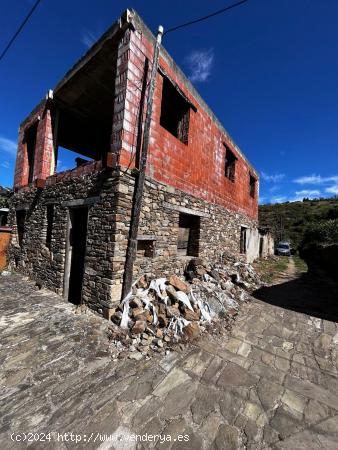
[{"x": 272, "y": 384}]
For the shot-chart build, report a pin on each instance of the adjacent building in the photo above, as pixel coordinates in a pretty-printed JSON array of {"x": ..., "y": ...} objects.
[{"x": 70, "y": 227}]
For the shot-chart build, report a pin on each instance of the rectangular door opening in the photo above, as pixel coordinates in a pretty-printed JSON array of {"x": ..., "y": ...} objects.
[
  {"x": 261, "y": 245},
  {"x": 76, "y": 254}
]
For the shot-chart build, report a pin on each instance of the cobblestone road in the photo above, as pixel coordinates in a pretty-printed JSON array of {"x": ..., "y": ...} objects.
[{"x": 272, "y": 384}]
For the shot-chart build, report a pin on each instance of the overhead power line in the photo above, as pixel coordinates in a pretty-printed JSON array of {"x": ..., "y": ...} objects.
[
  {"x": 18, "y": 31},
  {"x": 216, "y": 13}
]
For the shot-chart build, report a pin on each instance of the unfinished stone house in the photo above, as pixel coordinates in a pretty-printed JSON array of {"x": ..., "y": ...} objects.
[{"x": 70, "y": 228}]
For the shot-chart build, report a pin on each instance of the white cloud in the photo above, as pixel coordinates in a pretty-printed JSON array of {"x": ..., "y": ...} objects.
[
  {"x": 308, "y": 193},
  {"x": 316, "y": 179},
  {"x": 200, "y": 63},
  {"x": 5, "y": 164},
  {"x": 8, "y": 146},
  {"x": 275, "y": 178},
  {"x": 89, "y": 37},
  {"x": 275, "y": 187},
  {"x": 332, "y": 189},
  {"x": 279, "y": 199}
]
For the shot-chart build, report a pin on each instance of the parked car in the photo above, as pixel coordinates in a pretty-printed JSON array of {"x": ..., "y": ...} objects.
[{"x": 283, "y": 249}]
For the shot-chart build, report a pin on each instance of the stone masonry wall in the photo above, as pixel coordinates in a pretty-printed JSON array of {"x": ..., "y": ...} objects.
[
  {"x": 99, "y": 192},
  {"x": 109, "y": 199},
  {"x": 219, "y": 228}
]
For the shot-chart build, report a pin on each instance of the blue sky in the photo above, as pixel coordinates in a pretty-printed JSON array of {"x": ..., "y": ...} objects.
[{"x": 268, "y": 70}]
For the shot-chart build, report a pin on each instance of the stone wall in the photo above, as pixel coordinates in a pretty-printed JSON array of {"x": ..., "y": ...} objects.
[
  {"x": 98, "y": 192},
  {"x": 108, "y": 196},
  {"x": 162, "y": 204}
]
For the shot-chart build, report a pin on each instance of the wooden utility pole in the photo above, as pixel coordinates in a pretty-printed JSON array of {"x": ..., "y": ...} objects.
[{"x": 140, "y": 178}]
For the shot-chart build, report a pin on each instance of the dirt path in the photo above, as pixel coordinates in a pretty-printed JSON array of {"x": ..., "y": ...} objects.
[
  {"x": 272, "y": 384},
  {"x": 289, "y": 273}
]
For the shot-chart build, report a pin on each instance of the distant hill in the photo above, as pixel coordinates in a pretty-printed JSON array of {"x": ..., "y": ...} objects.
[{"x": 288, "y": 221}]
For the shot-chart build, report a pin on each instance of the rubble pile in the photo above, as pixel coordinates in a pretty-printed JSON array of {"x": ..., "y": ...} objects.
[{"x": 160, "y": 312}]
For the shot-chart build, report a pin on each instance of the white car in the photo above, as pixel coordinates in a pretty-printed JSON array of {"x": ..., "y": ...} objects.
[{"x": 283, "y": 249}]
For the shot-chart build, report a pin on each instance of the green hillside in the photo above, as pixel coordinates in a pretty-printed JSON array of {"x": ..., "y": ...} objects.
[{"x": 288, "y": 221}]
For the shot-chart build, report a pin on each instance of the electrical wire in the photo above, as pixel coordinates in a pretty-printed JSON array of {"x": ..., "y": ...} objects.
[
  {"x": 18, "y": 31},
  {"x": 216, "y": 13}
]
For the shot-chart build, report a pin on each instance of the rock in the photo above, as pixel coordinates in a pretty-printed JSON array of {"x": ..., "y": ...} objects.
[
  {"x": 287, "y": 346},
  {"x": 200, "y": 271},
  {"x": 192, "y": 330},
  {"x": 191, "y": 315},
  {"x": 136, "y": 355},
  {"x": 139, "y": 326},
  {"x": 135, "y": 303},
  {"x": 148, "y": 316},
  {"x": 179, "y": 284},
  {"x": 162, "y": 320},
  {"x": 172, "y": 312},
  {"x": 232, "y": 312},
  {"x": 116, "y": 317},
  {"x": 171, "y": 291},
  {"x": 214, "y": 274},
  {"x": 159, "y": 333},
  {"x": 158, "y": 342},
  {"x": 142, "y": 283},
  {"x": 137, "y": 312}
]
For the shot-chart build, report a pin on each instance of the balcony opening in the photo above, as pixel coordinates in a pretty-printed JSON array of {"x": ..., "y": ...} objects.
[
  {"x": 174, "y": 112},
  {"x": 83, "y": 110},
  {"x": 80, "y": 141},
  {"x": 230, "y": 164},
  {"x": 30, "y": 141},
  {"x": 188, "y": 235}
]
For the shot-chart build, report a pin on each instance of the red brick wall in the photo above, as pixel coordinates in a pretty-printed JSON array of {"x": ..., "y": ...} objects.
[
  {"x": 43, "y": 147},
  {"x": 196, "y": 168}
]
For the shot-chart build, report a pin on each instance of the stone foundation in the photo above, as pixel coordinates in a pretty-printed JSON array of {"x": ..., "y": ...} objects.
[{"x": 108, "y": 196}]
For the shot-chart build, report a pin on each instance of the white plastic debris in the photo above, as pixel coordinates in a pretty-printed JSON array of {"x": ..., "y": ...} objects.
[
  {"x": 204, "y": 307},
  {"x": 150, "y": 307},
  {"x": 182, "y": 297},
  {"x": 125, "y": 313},
  {"x": 177, "y": 324}
]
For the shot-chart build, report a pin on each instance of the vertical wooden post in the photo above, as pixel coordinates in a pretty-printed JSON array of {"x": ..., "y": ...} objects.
[{"x": 139, "y": 181}]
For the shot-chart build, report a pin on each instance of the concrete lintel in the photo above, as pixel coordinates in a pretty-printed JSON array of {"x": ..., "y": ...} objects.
[
  {"x": 182, "y": 209},
  {"x": 81, "y": 202},
  {"x": 23, "y": 207},
  {"x": 146, "y": 237}
]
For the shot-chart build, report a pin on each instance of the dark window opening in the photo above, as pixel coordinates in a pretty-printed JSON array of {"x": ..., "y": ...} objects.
[
  {"x": 243, "y": 240},
  {"x": 174, "y": 112},
  {"x": 230, "y": 164},
  {"x": 146, "y": 248},
  {"x": 3, "y": 217},
  {"x": 252, "y": 186},
  {"x": 20, "y": 225},
  {"x": 188, "y": 235},
  {"x": 30, "y": 141},
  {"x": 50, "y": 219}
]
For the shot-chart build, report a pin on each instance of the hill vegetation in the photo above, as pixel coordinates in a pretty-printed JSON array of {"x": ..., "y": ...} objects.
[{"x": 303, "y": 221}]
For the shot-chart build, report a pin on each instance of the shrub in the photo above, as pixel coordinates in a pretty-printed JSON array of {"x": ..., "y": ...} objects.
[{"x": 323, "y": 232}]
